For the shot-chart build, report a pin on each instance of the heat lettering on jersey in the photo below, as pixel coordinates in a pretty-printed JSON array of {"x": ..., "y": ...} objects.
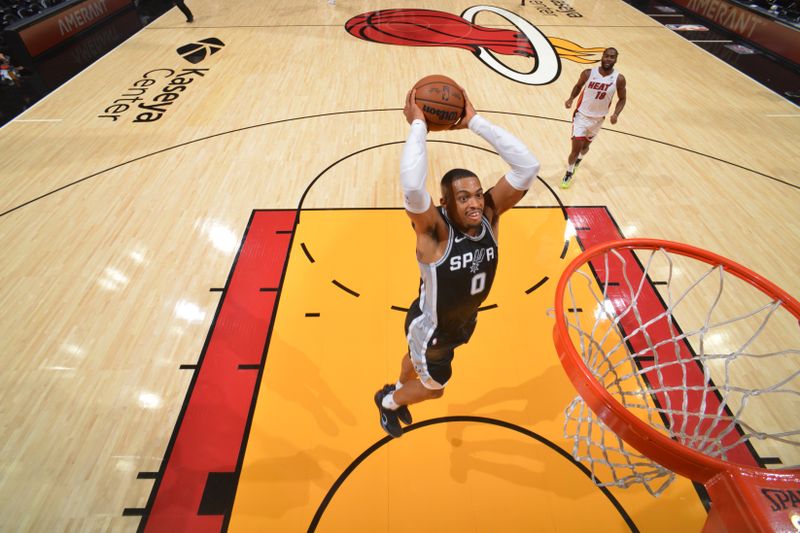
[
  {"x": 470, "y": 260},
  {"x": 599, "y": 86}
]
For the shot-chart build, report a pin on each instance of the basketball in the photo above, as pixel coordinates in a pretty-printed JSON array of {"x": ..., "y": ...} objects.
[{"x": 441, "y": 100}]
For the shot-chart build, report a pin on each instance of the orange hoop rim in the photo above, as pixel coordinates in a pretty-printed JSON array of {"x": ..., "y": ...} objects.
[{"x": 634, "y": 431}]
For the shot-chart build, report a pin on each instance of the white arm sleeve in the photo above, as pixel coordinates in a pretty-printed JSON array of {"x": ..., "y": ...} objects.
[
  {"x": 414, "y": 169},
  {"x": 524, "y": 165}
]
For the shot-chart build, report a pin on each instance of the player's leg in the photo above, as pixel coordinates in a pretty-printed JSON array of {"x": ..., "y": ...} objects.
[
  {"x": 414, "y": 391},
  {"x": 579, "y": 123},
  {"x": 391, "y": 412},
  {"x": 428, "y": 383},
  {"x": 577, "y": 146},
  {"x": 407, "y": 375},
  {"x": 584, "y": 130},
  {"x": 591, "y": 128},
  {"x": 432, "y": 369},
  {"x": 407, "y": 372},
  {"x": 587, "y": 142}
]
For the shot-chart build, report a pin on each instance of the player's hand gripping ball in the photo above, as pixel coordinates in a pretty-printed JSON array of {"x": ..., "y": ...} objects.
[{"x": 441, "y": 100}]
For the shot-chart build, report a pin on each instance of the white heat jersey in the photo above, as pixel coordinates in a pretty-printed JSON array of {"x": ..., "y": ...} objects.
[{"x": 595, "y": 98}]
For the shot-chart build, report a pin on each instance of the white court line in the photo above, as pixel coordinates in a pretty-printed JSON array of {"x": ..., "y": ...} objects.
[{"x": 38, "y": 120}]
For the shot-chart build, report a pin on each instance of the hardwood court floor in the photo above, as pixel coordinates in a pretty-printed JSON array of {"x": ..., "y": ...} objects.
[{"x": 115, "y": 232}]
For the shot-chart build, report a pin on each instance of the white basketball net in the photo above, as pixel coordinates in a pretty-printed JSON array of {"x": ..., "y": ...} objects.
[{"x": 693, "y": 350}]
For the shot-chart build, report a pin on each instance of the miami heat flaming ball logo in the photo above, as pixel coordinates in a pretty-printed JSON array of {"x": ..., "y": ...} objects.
[{"x": 425, "y": 27}]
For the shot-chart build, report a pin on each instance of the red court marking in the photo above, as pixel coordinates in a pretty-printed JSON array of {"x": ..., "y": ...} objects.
[
  {"x": 601, "y": 228},
  {"x": 210, "y": 434}
]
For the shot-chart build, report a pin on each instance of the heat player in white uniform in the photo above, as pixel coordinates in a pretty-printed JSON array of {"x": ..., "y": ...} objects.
[
  {"x": 457, "y": 255},
  {"x": 596, "y": 87}
]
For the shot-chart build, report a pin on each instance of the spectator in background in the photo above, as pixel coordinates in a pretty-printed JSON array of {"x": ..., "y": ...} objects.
[
  {"x": 152, "y": 9},
  {"x": 9, "y": 75},
  {"x": 186, "y": 11}
]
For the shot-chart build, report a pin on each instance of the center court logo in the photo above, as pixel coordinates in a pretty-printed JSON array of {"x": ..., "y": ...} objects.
[
  {"x": 426, "y": 27},
  {"x": 170, "y": 84}
]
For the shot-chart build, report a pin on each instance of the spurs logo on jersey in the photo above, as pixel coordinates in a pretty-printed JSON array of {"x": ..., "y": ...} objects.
[{"x": 473, "y": 260}]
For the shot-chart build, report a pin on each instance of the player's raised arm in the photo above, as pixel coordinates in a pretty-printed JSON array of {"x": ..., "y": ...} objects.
[
  {"x": 414, "y": 170},
  {"x": 524, "y": 165}
]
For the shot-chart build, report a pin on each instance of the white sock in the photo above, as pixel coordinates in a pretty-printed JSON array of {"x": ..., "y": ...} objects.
[
  {"x": 389, "y": 403},
  {"x": 577, "y": 161},
  {"x": 398, "y": 386},
  {"x": 571, "y": 168}
]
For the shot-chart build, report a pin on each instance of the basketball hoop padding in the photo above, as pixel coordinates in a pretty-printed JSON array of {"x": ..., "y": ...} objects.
[{"x": 744, "y": 503}]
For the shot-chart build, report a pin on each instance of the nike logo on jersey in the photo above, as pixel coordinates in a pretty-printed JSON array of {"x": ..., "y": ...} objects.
[{"x": 459, "y": 239}]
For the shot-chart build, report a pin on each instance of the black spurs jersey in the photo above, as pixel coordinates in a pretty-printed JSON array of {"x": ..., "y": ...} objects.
[{"x": 452, "y": 289}]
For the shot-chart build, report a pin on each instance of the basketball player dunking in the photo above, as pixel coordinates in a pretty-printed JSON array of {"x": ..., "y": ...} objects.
[
  {"x": 457, "y": 256},
  {"x": 598, "y": 86}
]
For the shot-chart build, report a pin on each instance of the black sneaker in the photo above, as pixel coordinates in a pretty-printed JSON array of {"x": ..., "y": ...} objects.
[
  {"x": 403, "y": 413},
  {"x": 389, "y": 418}
]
